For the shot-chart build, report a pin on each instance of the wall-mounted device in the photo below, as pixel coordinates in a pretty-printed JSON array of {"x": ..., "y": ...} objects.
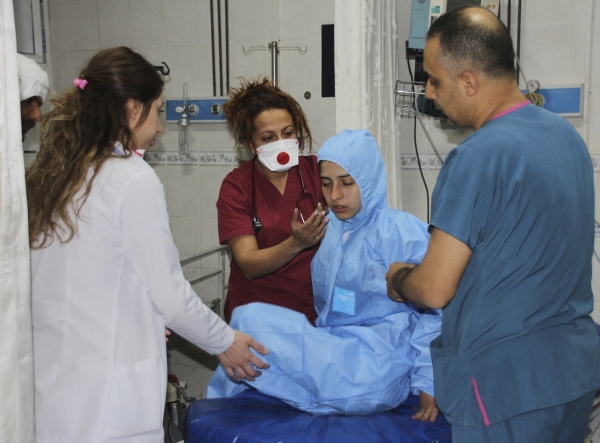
[
  {"x": 425, "y": 12},
  {"x": 207, "y": 110}
]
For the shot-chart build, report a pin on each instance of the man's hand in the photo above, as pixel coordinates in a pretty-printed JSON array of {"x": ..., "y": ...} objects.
[
  {"x": 428, "y": 410},
  {"x": 238, "y": 358},
  {"x": 389, "y": 276}
]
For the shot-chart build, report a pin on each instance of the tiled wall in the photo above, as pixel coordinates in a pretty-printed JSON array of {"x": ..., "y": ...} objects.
[
  {"x": 178, "y": 32},
  {"x": 560, "y": 45}
]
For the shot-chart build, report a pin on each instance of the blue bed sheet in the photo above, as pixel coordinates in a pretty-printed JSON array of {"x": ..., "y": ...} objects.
[{"x": 252, "y": 417}]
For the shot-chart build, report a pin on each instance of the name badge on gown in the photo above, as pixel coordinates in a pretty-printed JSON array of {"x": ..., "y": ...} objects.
[{"x": 344, "y": 301}]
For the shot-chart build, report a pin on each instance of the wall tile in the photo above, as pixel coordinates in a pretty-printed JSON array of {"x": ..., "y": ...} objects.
[
  {"x": 203, "y": 31},
  {"x": 179, "y": 22},
  {"x": 292, "y": 20},
  {"x": 182, "y": 187},
  {"x": 595, "y": 62},
  {"x": 211, "y": 178},
  {"x": 317, "y": 13},
  {"x": 83, "y": 26},
  {"x": 78, "y": 60},
  {"x": 183, "y": 63},
  {"x": 186, "y": 233},
  {"x": 114, "y": 23},
  {"x": 548, "y": 55},
  {"x": 249, "y": 66},
  {"x": 292, "y": 68},
  {"x": 593, "y": 139},
  {"x": 146, "y": 23},
  {"x": 248, "y": 22},
  {"x": 539, "y": 12},
  {"x": 59, "y": 27},
  {"x": 62, "y": 77},
  {"x": 313, "y": 68}
]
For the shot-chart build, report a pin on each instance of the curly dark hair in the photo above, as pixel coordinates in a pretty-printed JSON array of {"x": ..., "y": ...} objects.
[
  {"x": 254, "y": 97},
  {"x": 79, "y": 135}
]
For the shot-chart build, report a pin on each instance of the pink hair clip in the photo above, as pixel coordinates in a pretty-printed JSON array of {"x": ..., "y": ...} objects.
[{"x": 80, "y": 83}]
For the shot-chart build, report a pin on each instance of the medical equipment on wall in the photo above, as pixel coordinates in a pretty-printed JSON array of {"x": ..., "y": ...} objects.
[
  {"x": 425, "y": 12},
  {"x": 183, "y": 122},
  {"x": 274, "y": 48}
]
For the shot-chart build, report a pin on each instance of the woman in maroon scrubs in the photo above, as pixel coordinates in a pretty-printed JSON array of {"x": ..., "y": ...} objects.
[{"x": 270, "y": 209}]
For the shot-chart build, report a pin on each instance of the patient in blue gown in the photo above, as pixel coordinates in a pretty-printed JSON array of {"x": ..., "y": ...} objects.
[{"x": 366, "y": 353}]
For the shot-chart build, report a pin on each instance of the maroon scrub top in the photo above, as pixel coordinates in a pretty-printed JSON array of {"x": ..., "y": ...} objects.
[{"x": 290, "y": 286}]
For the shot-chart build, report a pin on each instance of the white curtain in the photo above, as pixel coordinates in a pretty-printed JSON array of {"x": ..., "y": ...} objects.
[
  {"x": 16, "y": 360},
  {"x": 366, "y": 69}
]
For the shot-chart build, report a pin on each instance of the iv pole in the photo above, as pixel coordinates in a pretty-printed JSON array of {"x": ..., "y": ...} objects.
[{"x": 274, "y": 48}]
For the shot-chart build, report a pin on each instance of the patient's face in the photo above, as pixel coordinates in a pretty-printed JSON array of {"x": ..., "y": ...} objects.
[{"x": 340, "y": 190}]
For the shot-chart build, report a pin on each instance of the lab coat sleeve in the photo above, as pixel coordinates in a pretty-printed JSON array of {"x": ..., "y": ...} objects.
[{"x": 143, "y": 223}]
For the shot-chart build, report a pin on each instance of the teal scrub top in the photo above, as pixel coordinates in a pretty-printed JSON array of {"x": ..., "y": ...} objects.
[{"x": 517, "y": 336}]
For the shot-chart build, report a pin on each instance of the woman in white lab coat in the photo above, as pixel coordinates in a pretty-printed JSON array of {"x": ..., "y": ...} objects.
[{"x": 106, "y": 278}]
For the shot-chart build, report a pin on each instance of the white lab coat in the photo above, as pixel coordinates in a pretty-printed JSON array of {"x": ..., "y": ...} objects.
[{"x": 100, "y": 306}]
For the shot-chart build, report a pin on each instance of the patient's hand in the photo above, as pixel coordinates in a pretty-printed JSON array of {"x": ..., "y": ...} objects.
[{"x": 428, "y": 410}]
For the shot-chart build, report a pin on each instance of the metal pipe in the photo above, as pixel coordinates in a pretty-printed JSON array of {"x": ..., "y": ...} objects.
[
  {"x": 201, "y": 255},
  {"x": 212, "y": 47},
  {"x": 220, "y": 48},
  {"x": 274, "y": 63},
  {"x": 227, "y": 46}
]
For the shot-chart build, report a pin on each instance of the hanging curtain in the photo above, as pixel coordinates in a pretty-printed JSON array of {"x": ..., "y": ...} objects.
[
  {"x": 16, "y": 360},
  {"x": 366, "y": 69}
]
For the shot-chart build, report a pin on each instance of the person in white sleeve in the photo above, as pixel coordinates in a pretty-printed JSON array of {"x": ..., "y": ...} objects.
[
  {"x": 106, "y": 278},
  {"x": 33, "y": 88}
]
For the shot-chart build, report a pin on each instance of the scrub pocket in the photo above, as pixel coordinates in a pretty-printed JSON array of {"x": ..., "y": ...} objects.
[
  {"x": 453, "y": 385},
  {"x": 136, "y": 401}
]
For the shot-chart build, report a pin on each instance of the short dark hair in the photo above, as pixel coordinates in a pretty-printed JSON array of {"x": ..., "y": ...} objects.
[{"x": 469, "y": 45}]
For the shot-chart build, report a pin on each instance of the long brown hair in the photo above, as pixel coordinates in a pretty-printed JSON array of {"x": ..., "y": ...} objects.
[
  {"x": 78, "y": 136},
  {"x": 254, "y": 97}
]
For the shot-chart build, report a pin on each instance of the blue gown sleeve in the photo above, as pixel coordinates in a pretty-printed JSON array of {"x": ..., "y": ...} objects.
[
  {"x": 428, "y": 327},
  {"x": 402, "y": 237}
]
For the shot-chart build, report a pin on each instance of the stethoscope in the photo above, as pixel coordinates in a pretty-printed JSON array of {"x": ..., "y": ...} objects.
[{"x": 256, "y": 223}]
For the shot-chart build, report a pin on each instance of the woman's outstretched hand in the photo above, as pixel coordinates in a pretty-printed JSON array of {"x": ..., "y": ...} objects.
[
  {"x": 310, "y": 232},
  {"x": 238, "y": 360}
]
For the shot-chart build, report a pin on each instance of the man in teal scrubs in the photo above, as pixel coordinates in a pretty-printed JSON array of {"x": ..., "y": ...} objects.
[{"x": 509, "y": 259}]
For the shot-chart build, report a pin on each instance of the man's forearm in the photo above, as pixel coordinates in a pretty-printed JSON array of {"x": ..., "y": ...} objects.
[{"x": 401, "y": 284}]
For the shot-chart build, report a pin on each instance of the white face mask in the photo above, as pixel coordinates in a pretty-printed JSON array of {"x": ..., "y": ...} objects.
[{"x": 279, "y": 156}]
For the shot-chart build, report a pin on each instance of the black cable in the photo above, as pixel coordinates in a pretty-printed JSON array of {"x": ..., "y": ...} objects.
[
  {"x": 415, "y": 137},
  {"x": 212, "y": 46}
]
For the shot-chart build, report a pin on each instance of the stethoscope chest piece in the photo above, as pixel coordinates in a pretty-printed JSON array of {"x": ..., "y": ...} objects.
[{"x": 256, "y": 224}]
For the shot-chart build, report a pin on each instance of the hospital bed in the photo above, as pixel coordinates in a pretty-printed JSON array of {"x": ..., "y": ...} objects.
[{"x": 253, "y": 417}]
